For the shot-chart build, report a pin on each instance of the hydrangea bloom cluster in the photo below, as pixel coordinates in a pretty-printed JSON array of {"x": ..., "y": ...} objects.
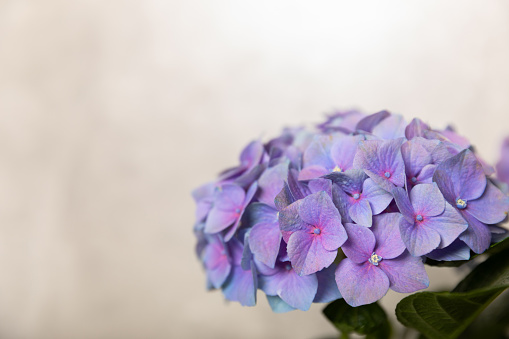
[{"x": 349, "y": 210}]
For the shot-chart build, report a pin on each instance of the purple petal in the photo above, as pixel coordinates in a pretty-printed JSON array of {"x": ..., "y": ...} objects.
[
  {"x": 477, "y": 236},
  {"x": 298, "y": 291},
  {"x": 217, "y": 262},
  {"x": 284, "y": 198},
  {"x": 256, "y": 213},
  {"x": 426, "y": 175},
  {"x": 312, "y": 172},
  {"x": 307, "y": 253},
  {"x": 404, "y": 205},
  {"x": 498, "y": 233},
  {"x": 250, "y": 176},
  {"x": 450, "y": 134},
  {"x": 229, "y": 197},
  {"x": 290, "y": 221},
  {"x": 418, "y": 238},
  {"x": 388, "y": 238},
  {"x": 204, "y": 198},
  {"x": 368, "y": 123},
  {"x": 367, "y": 156},
  {"x": 382, "y": 161},
  {"x": 503, "y": 164},
  {"x": 342, "y": 202},
  {"x": 427, "y": 200},
  {"x": 360, "y": 212},
  {"x": 361, "y": 284},
  {"x": 350, "y": 181},
  {"x": 318, "y": 185},
  {"x": 449, "y": 225},
  {"x": 415, "y": 128},
  {"x": 240, "y": 211},
  {"x": 415, "y": 157},
  {"x": 378, "y": 198},
  {"x": 298, "y": 189},
  {"x": 241, "y": 286},
  {"x": 391, "y": 128},
  {"x": 264, "y": 240},
  {"x": 360, "y": 243},
  {"x": 318, "y": 153},
  {"x": 271, "y": 182},
  {"x": 247, "y": 254},
  {"x": 458, "y": 250},
  {"x": 250, "y": 193},
  {"x": 278, "y": 305},
  {"x": 343, "y": 151},
  {"x": 252, "y": 154},
  {"x": 392, "y": 161},
  {"x": 218, "y": 220},
  {"x": 491, "y": 207},
  {"x": 443, "y": 151},
  {"x": 406, "y": 273},
  {"x": 319, "y": 211},
  {"x": 327, "y": 288},
  {"x": 466, "y": 175},
  {"x": 236, "y": 251}
]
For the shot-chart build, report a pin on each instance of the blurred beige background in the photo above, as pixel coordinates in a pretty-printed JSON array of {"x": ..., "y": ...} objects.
[{"x": 112, "y": 111}]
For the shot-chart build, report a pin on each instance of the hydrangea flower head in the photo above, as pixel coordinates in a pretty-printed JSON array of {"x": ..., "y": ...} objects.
[{"x": 350, "y": 209}]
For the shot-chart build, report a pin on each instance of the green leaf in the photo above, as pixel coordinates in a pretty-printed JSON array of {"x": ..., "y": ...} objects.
[
  {"x": 493, "y": 322},
  {"x": 369, "y": 320},
  {"x": 448, "y": 314}
]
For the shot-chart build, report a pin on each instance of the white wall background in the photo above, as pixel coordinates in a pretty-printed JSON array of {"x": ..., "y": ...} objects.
[{"x": 112, "y": 111}]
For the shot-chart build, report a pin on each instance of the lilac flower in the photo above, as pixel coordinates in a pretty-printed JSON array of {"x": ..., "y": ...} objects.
[
  {"x": 241, "y": 284},
  {"x": 429, "y": 222},
  {"x": 324, "y": 156},
  {"x": 376, "y": 261},
  {"x": 313, "y": 231},
  {"x": 216, "y": 259},
  {"x": 359, "y": 196},
  {"x": 229, "y": 205},
  {"x": 250, "y": 157},
  {"x": 462, "y": 181},
  {"x": 382, "y": 161}
]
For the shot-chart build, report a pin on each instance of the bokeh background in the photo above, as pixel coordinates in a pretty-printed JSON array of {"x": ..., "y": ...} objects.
[{"x": 111, "y": 112}]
